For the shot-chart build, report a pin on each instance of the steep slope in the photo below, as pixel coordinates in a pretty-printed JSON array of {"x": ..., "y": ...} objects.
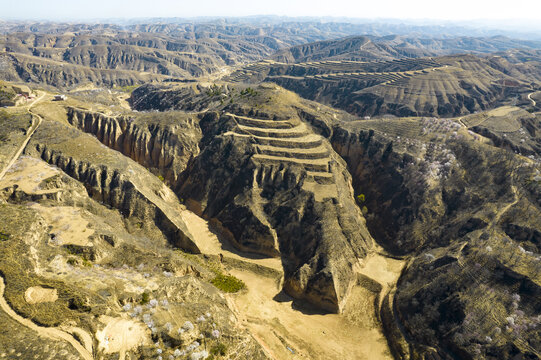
[
  {"x": 361, "y": 48},
  {"x": 460, "y": 207},
  {"x": 155, "y": 53},
  {"x": 140, "y": 196},
  {"x": 467, "y": 213},
  {"x": 162, "y": 143},
  {"x": 273, "y": 185}
]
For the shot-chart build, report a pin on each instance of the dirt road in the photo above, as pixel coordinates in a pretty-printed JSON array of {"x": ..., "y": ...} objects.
[
  {"x": 31, "y": 131},
  {"x": 51, "y": 333}
]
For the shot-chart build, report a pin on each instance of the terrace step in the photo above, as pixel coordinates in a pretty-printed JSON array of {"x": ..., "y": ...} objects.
[
  {"x": 316, "y": 165},
  {"x": 319, "y": 152},
  {"x": 304, "y": 142},
  {"x": 295, "y": 132}
]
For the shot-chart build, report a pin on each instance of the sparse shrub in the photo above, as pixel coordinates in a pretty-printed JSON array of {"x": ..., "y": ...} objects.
[
  {"x": 228, "y": 283},
  {"x": 86, "y": 263},
  {"x": 218, "y": 349},
  {"x": 128, "y": 88},
  {"x": 248, "y": 92},
  {"x": 215, "y": 90},
  {"x": 145, "y": 298}
]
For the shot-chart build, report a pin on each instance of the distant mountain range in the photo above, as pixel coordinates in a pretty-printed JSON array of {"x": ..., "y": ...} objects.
[
  {"x": 136, "y": 52},
  {"x": 325, "y": 27}
]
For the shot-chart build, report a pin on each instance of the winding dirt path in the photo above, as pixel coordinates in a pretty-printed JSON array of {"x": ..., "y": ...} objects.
[
  {"x": 532, "y": 100},
  {"x": 51, "y": 333},
  {"x": 31, "y": 132}
]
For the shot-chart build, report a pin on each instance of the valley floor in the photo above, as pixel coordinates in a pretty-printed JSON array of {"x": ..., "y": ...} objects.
[{"x": 287, "y": 330}]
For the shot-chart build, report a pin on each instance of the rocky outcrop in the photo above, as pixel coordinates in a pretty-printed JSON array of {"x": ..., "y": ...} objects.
[
  {"x": 164, "y": 142},
  {"x": 278, "y": 189}
]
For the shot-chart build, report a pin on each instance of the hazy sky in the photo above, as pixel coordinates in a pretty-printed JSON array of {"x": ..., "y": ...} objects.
[{"x": 417, "y": 9}]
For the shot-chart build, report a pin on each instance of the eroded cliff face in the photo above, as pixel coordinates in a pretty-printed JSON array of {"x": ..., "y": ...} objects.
[
  {"x": 467, "y": 213},
  {"x": 121, "y": 184},
  {"x": 390, "y": 192},
  {"x": 164, "y": 144},
  {"x": 278, "y": 189}
]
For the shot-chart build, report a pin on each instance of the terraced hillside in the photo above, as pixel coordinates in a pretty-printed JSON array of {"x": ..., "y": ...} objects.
[
  {"x": 281, "y": 218},
  {"x": 190, "y": 200},
  {"x": 272, "y": 183},
  {"x": 309, "y": 209},
  {"x": 110, "y": 54},
  {"x": 82, "y": 254},
  {"x": 270, "y": 68},
  {"x": 283, "y": 142},
  {"x": 443, "y": 86}
]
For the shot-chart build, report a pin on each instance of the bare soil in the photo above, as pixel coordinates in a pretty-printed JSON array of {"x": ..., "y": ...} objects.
[{"x": 38, "y": 294}]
